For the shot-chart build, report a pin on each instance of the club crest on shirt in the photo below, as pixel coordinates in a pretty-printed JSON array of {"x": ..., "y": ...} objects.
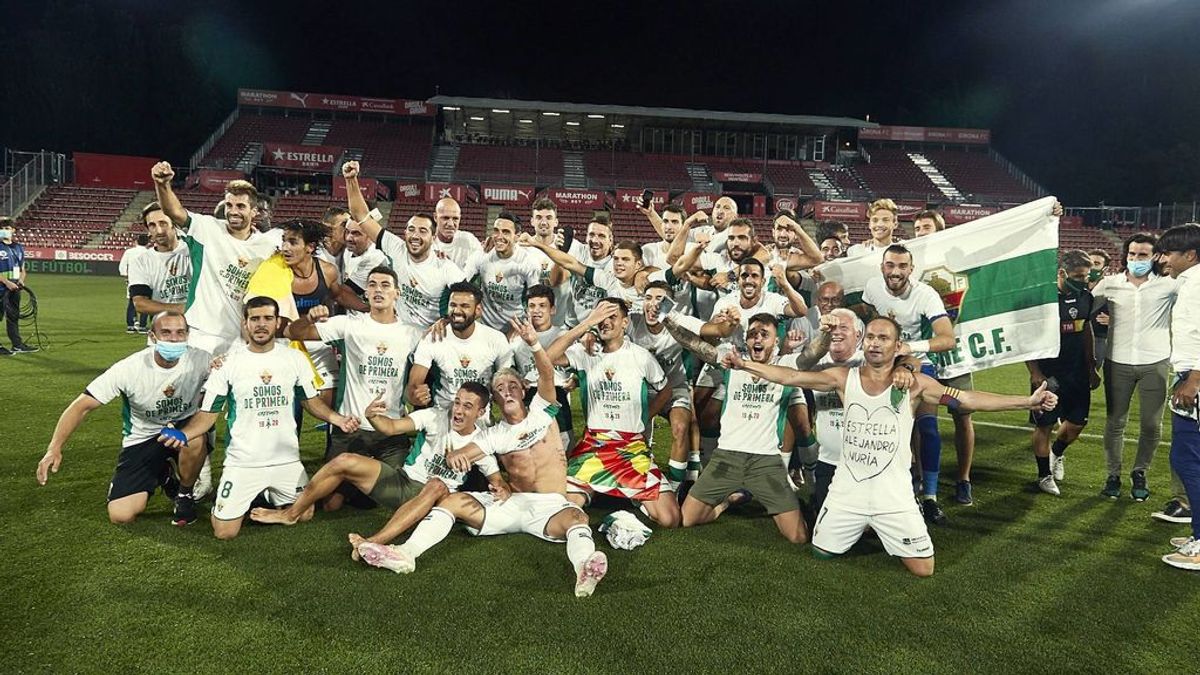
[
  {"x": 169, "y": 391},
  {"x": 950, "y": 285},
  {"x": 464, "y": 361},
  {"x": 381, "y": 348},
  {"x": 412, "y": 281},
  {"x": 242, "y": 262},
  {"x": 265, "y": 376},
  {"x": 499, "y": 278},
  {"x": 1073, "y": 312},
  {"x": 609, "y": 372}
]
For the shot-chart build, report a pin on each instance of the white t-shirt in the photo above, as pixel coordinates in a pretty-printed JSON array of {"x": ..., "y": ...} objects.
[
  {"x": 714, "y": 263},
  {"x": 768, "y": 303},
  {"x": 873, "y": 475},
  {"x": 503, "y": 438},
  {"x": 616, "y": 386},
  {"x": 503, "y": 282},
  {"x": 828, "y": 411},
  {"x": 258, "y": 392},
  {"x": 221, "y": 270},
  {"x": 434, "y": 439},
  {"x": 474, "y": 359},
  {"x": 374, "y": 357},
  {"x": 754, "y": 412},
  {"x": 152, "y": 396},
  {"x": 128, "y": 256},
  {"x": 167, "y": 274},
  {"x": 424, "y": 286},
  {"x": 665, "y": 349},
  {"x": 459, "y": 250},
  {"x": 611, "y": 287},
  {"x": 523, "y": 358},
  {"x": 915, "y": 309},
  {"x": 583, "y": 294},
  {"x": 356, "y": 268}
]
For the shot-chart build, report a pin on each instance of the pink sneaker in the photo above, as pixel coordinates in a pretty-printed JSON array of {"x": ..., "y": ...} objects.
[
  {"x": 388, "y": 557},
  {"x": 593, "y": 570}
]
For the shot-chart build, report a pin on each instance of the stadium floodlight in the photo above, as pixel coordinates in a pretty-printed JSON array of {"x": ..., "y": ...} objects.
[
  {"x": 477, "y": 118},
  {"x": 617, "y": 126},
  {"x": 450, "y": 107},
  {"x": 497, "y": 110},
  {"x": 572, "y": 124},
  {"x": 595, "y": 117},
  {"x": 526, "y": 121},
  {"x": 550, "y": 114}
]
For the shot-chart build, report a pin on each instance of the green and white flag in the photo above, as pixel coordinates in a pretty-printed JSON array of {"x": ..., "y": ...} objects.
[{"x": 998, "y": 279}]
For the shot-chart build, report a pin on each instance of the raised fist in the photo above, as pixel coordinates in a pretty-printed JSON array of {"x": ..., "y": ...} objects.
[
  {"x": 350, "y": 169},
  {"x": 162, "y": 173}
]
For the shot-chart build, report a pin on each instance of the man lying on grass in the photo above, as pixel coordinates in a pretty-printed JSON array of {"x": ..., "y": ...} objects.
[{"x": 873, "y": 486}]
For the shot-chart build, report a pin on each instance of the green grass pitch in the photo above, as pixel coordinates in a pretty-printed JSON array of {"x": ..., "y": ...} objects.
[{"x": 1025, "y": 582}]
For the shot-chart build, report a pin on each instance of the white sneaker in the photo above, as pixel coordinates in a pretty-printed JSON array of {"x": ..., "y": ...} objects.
[
  {"x": 1046, "y": 484},
  {"x": 1179, "y": 542},
  {"x": 593, "y": 570},
  {"x": 204, "y": 482},
  {"x": 388, "y": 557},
  {"x": 1056, "y": 466},
  {"x": 1186, "y": 558}
]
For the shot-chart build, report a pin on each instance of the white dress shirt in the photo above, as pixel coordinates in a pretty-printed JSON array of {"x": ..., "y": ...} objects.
[
  {"x": 1139, "y": 328},
  {"x": 1185, "y": 323}
]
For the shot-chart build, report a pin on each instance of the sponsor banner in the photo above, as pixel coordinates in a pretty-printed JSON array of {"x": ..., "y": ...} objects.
[
  {"x": 308, "y": 157},
  {"x": 786, "y": 204},
  {"x": 696, "y": 201},
  {"x": 906, "y": 210},
  {"x": 308, "y": 101},
  {"x": 212, "y": 180},
  {"x": 491, "y": 193},
  {"x": 370, "y": 188},
  {"x": 113, "y": 171},
  {"x": 851, "y": 211},
  {"x": 736, "y": 177},
  {"x": 566, "y": 197},
  {"x": 87, "y": 254},
  {"x": 82, "y": 267},
  {"x": 923, "y": 134},
  {"x": 408, "y": 192},
  {"x": 459, "y": 193},
  {"x": 956, "y": 215},
  {"x": 629, "y": 198},
  {"x": 998, "y": 280}
]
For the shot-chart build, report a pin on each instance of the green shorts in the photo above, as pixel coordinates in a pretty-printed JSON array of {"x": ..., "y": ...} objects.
[
  {"x": 391, "y": 450},
  {"x": 763, "y": 475},
  {"x": 393, "y": 487}
]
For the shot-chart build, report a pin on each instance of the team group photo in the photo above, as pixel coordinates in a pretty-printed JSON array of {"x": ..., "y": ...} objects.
[{"x": 792, "y": 390}]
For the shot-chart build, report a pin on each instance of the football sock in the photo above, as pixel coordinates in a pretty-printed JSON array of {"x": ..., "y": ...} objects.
[
  {"x": 693, "y": 466},
  {"x": 676, "y": 471},
  {"x": 429, "y": 532},
  {"x": 787, "y": 460},
  {"x": 580, "y": 545},
  {"x": 1058, "y": 448},
  {"x": 807, "y": 450},
  {"x": 1043, "y": 466},
  {"x": 931, "y": 454}
]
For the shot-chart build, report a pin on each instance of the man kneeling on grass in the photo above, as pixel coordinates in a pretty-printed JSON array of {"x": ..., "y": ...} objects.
[
  {"x": 873, "y": 486},
  {"x": 527, "y": 442}
]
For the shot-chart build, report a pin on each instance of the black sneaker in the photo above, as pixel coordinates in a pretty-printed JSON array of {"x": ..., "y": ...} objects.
[
  {"x": 962, "y": 493},
  {"x": 185, "y": 510},
  {"x": 1112, "y": 487},
  {"x": 932, "y": 512},
  {"x": 1139, "y": 491},
  {"x": 132, "y": 330},
  {"x": 23, "y": 349},
  {"x": 5, "y": 352},
  {"x": 1174, "y": 512}
]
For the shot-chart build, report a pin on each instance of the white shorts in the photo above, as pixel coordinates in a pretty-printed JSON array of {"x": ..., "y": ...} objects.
[
  {"x": 526, "y": 512},
  {"x": 903, "y": 533},
  {"x": 681, "y": 397},
  {"x": 213, "y": 344},
  {"x": 710, "y": 377},
  {"x": 240, "y": 485},
  {"x": 325, "y": 360}
]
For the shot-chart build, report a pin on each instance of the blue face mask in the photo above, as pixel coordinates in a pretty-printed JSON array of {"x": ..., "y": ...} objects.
[
  {"x": 171, "y": 351},
  {"x": 1140, "y": 268},
  {"x": 5, "y": 234}
]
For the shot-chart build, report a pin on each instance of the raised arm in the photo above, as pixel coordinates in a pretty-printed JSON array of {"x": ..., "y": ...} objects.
[
  {"x": 163, "y": 174},
  {"x": 557, "y": 351},
  {"x": 829, "y": 379},
  {"x": 541, "y": 360},
  {"x": 388, "y": 426},
  {"x": 357, "y": 204},
  {"x": 652, "y": 215},
  {"x": 809, "y": 255},
  {"x": 687, "y": 261},
  {"x": 563, "y": 260},
  {"x": 305, "y": 328},
  {"x": 932, "y": 391},
  {"x": 796, "y": 305}
]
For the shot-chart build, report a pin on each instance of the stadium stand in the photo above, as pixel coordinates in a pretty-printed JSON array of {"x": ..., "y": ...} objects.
[
  {"x": 509, "y": 164},
  {"x": 397, "y": 150},
  {"x": 250, "y": 128},
  {"x": 71, "y": 215},
  {"x": 891, "y": 173},
  {"x": 978, "y": 176},
  {"x": 636, "y": 170}
]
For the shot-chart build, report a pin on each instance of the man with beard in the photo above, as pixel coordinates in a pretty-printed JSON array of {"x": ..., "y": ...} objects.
[
  {"x": 747, "y": 459},
  {"x": 159, "y": 279},
  {"x": 539, "y": 307},
  {"x": 595, "y": 252},
  {"x": 469, "y": 352},
  {"x": 832, "y": 248},
  {"x": 334, "y": 244},
  {"x": 616, "y": 384},
  {"x": 527, "y": 443},
  {"x": 359, "y": 258},
  {"x": 925, "y": 327},
  {"x": 225, "y": 254},
  {"x": 257, "y": 387},
  {"x": 452, "y": 243},
  {"x": 871, "y": 487},
  {"x": 624, "y": 277},
  {"x": 504, "y": 274},
  {"x": 375, "y": 347},
  {"x": 882, "y": 219},
  {"x": 158, "y": 386},
  {"x": 425, "y": 278},
  {"x": 1072, "y": 374}
]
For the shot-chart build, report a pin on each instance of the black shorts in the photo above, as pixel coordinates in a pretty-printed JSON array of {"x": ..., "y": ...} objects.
[
  {"x": 1074, "y": 404},
  {"x": 141, "y": 468},
  {"x": 391, "y": 450}
]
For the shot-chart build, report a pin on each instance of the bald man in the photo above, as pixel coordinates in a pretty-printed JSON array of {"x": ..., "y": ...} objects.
[{"x": 452, "y": 243}]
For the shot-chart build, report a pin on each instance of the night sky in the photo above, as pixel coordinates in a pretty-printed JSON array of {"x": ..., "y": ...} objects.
[{"x": 1097, "y": 100}]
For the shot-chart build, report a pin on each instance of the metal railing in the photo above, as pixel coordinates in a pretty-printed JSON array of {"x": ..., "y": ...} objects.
[
  {"x": 212, "y": 140},
  {"x": 30, "y": 173}
]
